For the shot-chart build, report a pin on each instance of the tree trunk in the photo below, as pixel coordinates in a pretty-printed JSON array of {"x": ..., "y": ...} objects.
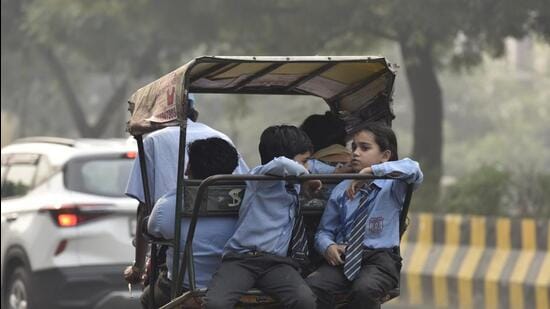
[
  {"x": 428, "y": 118},
  {"x": 79, "y": 117},
  {"x": 112, "y": 106},
  {"x": 111, "y": 110}
]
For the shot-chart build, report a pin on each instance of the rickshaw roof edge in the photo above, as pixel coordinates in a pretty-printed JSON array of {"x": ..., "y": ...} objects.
[{"x": 360, "y": 86}]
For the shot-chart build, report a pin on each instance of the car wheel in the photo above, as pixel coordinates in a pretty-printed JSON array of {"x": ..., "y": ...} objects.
[{"x": 18, "y": 290}]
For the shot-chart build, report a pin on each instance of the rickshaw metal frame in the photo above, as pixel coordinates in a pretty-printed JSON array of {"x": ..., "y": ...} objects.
[
  {"x": 182, "y": 91},
  {"x": 188, "y": 261},
  {"x": 188, "y": 251}
]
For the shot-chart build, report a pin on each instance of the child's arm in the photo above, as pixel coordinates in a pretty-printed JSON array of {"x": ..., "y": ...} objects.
[
  {"x": 281, "y": 166},
  {"x": 318, "y": 167},
  {"x": 328, "y": 229},
  {"x": 404, "y": 169}
]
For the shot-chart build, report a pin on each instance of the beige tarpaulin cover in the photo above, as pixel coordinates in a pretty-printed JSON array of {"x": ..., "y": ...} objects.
[{"x": 359, "y": 88}]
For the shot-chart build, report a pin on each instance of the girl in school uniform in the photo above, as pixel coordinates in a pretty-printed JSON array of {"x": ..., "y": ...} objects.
[{"x": 359, "y": 231}]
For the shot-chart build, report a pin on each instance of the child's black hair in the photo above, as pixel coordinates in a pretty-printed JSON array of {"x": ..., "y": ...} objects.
[
  {"x": 211, "y": 156},
  {"x": 325, "y": 130},
  {"x": 383, "y": 136},
  {"x": 283, "y": 140}
]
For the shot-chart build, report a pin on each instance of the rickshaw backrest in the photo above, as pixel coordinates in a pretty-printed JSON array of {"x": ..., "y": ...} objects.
[
  {"x": 226, "y": 200},
  {"x": 218, "y": 200}
]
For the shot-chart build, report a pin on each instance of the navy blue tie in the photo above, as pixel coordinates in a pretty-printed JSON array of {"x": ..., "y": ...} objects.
[
  {"x": 298, "y": 247},
  {"x": 354, "y": 248}
]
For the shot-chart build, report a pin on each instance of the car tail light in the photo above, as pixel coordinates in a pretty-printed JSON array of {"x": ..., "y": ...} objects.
[
  {"x": 71, "y": 215},
  {"x": 66, "y": 220},
  {"x": 130, "y": 155}
]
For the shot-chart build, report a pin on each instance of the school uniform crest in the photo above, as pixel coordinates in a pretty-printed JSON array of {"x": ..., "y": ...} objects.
[{"x": 376, "y": 225}]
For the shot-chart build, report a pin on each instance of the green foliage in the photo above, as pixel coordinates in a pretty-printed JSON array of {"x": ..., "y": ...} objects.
[
  {"x": 528, "y": 193},
  {"x": 481, "y": 192},
  {"x": 542, "y": 207},
  {"x": 498, "y": 115},
  {"x": 492, "y": 190},
  {"x": 492, "y": 119}
]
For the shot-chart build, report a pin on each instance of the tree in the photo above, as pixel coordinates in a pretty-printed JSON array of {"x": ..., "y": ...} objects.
[
  {"x": 430, "y": 34},
  {"x": 124, "y": 41},
  {"x": 146, "y": 38}
]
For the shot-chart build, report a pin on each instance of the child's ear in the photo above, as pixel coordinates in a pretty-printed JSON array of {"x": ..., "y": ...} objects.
[{"x": 386, "y": 155}]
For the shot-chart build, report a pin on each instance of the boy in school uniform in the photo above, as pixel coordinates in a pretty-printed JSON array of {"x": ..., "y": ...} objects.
[
  {"x": 269, "y": 240},
  {"x": 207, "y": 157},
  {"x": 328, "y": 136}
]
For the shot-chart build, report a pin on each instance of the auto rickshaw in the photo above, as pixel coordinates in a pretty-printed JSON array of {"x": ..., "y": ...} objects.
[{"x": 357, "y": 88}]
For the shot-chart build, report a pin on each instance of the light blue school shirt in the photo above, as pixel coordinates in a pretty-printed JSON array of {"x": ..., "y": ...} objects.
[
  {"x": 211, "y": 234},
  {"x": 382, "y": 225},
  {"x": 318, "y": 167},
  {"x": 266, "y": 217},
  {"x": 161, "y": 154}
]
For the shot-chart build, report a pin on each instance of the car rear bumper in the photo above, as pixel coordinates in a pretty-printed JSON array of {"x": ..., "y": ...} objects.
[{"x": 84, "y": 287}]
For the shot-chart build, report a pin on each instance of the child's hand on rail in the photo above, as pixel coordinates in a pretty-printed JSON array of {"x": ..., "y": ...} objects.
[
  {"x": 357, "y": 184},
  {"x": 312, "y": 187}
]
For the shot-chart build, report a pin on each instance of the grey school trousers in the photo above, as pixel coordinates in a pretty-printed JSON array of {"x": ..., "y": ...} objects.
[
  {"x": 379, "y": 274},
  {"x": 275, "y": 275}
]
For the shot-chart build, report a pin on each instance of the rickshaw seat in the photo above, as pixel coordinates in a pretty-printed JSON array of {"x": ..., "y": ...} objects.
[
  {"x": 252, "y": 298},
  {"x": 256, "y": 297},
  {"x": 215, "y": 203}
]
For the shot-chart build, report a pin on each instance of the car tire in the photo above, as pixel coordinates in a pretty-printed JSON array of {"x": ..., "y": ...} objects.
[{"x": 18, "y": 290}]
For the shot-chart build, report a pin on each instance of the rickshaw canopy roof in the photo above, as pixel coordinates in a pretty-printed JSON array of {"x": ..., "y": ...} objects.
[{"x": 358, "y": 88}]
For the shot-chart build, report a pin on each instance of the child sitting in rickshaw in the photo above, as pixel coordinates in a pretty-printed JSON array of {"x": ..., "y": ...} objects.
[
  {"x": 269, "y": 243},
  {"x": 207, "y": 157},
  {"x": 359, "y": 231},
  {"x": 328, "y": 136}
]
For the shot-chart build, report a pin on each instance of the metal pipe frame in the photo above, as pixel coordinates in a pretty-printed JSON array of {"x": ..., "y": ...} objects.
[
  {"x": 149, "y": 208},
  {"x": 187, "y": 262}
]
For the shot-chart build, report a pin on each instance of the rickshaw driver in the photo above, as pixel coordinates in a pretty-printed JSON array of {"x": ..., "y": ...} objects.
[{"x": 161, "y": 153}]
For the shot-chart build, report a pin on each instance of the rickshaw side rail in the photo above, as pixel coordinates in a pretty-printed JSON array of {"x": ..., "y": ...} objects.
[{"x": 239, "y": 178}]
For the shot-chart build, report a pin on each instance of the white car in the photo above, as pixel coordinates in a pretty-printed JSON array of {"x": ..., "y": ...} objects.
[{"x": 67, "y": 227}]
